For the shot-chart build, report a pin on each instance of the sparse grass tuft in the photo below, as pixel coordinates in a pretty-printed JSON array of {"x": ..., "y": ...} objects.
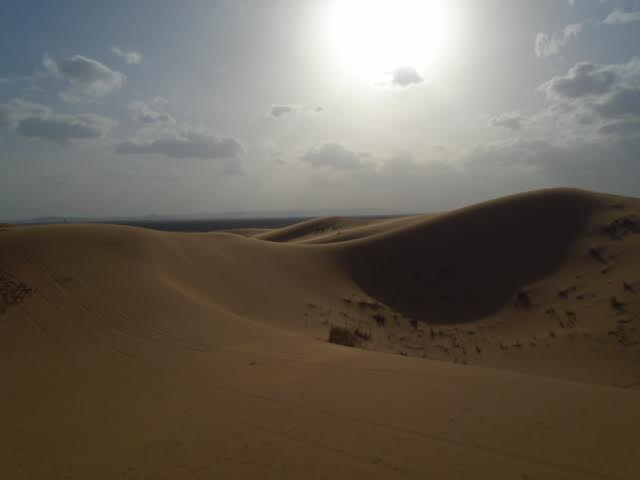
[
  {"x": 380, "y": 319},
  {"x": 342, "y": 336}
]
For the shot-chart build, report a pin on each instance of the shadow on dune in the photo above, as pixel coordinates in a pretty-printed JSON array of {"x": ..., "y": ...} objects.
[{"x": 467, "y": 264}]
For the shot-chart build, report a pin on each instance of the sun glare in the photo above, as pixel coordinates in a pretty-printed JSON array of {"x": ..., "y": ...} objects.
[{"x": 375, "y": 37}]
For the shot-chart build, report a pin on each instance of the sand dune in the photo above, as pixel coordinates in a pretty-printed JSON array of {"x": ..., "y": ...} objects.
[
  {"x": 312, "y": 229},
  {"x": 130, "y": 353},
  {"x": 336, "y": 229}
]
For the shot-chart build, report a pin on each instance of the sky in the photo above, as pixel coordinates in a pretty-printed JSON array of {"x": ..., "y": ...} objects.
[{"x": 127, "y": 108}]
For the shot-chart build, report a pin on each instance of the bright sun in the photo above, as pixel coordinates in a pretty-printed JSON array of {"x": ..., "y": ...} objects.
[{"x": 375, "y": 37}]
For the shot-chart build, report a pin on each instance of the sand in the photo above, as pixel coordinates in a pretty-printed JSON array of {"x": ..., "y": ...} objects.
[{"x": 495, "y": 341}]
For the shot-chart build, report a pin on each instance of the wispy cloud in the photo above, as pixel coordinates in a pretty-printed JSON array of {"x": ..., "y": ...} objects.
[
  {"x": 130, "y": 57},
  {"x": 87, "y": 79}
]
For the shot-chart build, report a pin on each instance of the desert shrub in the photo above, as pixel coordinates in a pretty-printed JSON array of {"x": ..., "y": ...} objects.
[
  {"x": 380, "y": 319},
  {"x": 597, "y": 254},
  {"x": 523, "y": 300},
  {"x": 342, "y": 336},
  {"x": 362, "y": 335},
  {"x": 617, "y": 304}
]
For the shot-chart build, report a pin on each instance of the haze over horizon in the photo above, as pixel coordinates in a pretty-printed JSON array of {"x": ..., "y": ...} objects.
[{"x": 120, "y": 109}]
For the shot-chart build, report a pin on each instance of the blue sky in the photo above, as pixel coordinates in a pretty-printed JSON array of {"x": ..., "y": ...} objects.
[{"x": 130, "y": 108}]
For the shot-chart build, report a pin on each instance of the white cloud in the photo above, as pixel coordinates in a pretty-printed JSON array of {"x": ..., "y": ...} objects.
[
  {"x": 150, "y": 114},
  {"x": 547, "y": 45},
  {"x": 87, "y": 79},
  {"x": 620, "y": 17},
  {"x": 130, "y": 58},
  {"x": 186, "y": 144},
  {"x": 336, "y": 156}
]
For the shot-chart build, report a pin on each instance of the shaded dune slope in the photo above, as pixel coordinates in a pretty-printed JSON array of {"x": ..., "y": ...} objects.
[{"x": 467, "y": 264}]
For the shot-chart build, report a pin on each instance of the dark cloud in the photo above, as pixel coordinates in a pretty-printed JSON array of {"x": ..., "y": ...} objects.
[
  {"x": 61, "y": 128},
  {"x": 622, "y": 102},
  {"x": 86, "y": 78},
  {"x": 590, "y": 96},
  {"x": 583, "y": 79},
  {"x": 512, "y": 121},
  {"x": 33, "y": 120},
  {"x": 336, "y": 156},
  {"x": 625, "y": 128},
  {"x": 187, "y": 145},
  {"x": 282, "y": 110},
  {"x": 406, "y": 76},
  {"x": 278, "y": 111}
]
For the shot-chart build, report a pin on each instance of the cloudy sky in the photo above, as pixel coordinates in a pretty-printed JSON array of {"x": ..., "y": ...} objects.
[{"x": 135, "y": 107}]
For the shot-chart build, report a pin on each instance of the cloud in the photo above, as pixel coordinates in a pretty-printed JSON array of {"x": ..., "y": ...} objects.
[
  {"x": 405, "y": 76},
  {"x": 278, "y": 111},
  {"x": 130, "y": 58},
  {"x": 624, "y": 101},
  {"x": 187, "y": 144},
  {"x": 593, "y": 100},
  {"x": 512, "y": 121},
  {"x": 336, "y": 156},
  {"x": 626, "y": 128},
  {"x": 17, "y": 109},
  {"x": 591, "y": 80},
  {"x": 619, "y": 17},
  {"x": 583, "y": 79},
  {"x": 596, "y": 90},
  {"x": 282, "y": 110},
  {"x": 547, "y": 45},
  {"x": 150, "y": 114},
  {"x": 62, "y": 128},
  {"x": 87, "y": 79},
  {"x": 34, "y": 120}
]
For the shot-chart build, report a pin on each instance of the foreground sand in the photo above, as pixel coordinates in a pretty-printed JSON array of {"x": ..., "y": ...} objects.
[{"x": 127, "y": 353}]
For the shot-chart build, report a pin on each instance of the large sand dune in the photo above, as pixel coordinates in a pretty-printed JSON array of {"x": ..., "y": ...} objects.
[{"x": 129, "y": 353}]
